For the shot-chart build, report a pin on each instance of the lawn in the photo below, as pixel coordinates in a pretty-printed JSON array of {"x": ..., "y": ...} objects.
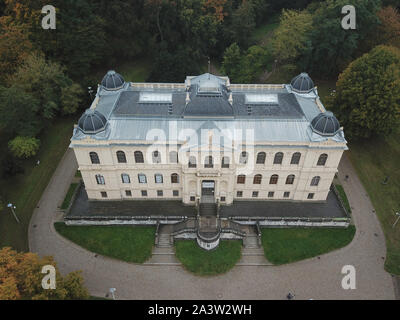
[
  {"x": 208, "y": 263},
  {"x": 68, "y": 196},
  {"x": 264, "y": 31},
  {"x": 374, "y": 159},
  {"x": 25, "y": 190},
  {"x": 127, "y": 243},
  {"x": 289, "y": 245}
]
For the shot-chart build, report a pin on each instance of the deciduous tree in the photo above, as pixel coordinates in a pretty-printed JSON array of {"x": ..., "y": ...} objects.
[
  {"x": 21, "y": 277},
  {"x": 24, "y": 147},
  {"x": 368, "y": 94}
]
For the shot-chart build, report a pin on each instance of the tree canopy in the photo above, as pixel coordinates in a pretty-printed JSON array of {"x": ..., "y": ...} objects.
[
  {"x": 367, "y": 99},
  {"x": 21, "y": 278}
]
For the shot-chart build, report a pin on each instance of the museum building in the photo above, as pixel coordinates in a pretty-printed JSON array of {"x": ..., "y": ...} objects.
[{"x": 207, "y": 140}]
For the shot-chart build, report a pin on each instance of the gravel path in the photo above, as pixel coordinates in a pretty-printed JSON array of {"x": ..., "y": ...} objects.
[{"x": 317, "y": 278}]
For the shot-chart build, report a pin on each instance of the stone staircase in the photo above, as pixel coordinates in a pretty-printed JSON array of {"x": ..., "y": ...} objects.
[
  {"x": 252, "y": 252},
  {"x": 208, "y": 209},
  {"x": 163, "y": 252}
]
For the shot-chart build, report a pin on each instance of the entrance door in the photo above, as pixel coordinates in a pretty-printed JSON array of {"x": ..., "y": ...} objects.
[{"x": 207, "y": 191}]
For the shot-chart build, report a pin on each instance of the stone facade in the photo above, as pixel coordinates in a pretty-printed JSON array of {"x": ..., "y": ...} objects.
[{"x": 110, "y": 170}]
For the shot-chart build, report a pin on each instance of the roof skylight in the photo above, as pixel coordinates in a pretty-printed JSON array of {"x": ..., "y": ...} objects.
[
  {"x": 269, "y": 99},
  {"x": 155, "y": 97}
]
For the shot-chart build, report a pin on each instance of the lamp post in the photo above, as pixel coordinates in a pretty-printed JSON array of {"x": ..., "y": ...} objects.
[
  {"x": 398, "y": 217},
  {"x": 12, "y": 207}
]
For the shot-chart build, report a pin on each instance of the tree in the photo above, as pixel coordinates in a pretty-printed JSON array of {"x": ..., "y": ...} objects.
[
  {"x": 243, "y": 23},
  {"x": 368, "y": 94},
  {"x": 292, "y": 37},
  {"x": 46, "y": 81},
  {"x": 332, "y": 46},
  {"x": 231, "y": 64},
  {"x": 24, "y": 147},
  {"x": 15, "y": 46},
  {"x": 19, "y": 112},
  {"x": 389, "y": 30},
  {"x": 246, "y": 67},
  {"x": 21, "y": 277}
]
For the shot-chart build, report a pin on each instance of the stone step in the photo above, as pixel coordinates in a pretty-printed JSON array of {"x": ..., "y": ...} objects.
[
  {"x": 253, "y": 260},
  {"x": 163, "y": 250},
  {"x": 163, "y": 259},
  {"x": 253, "y": 251}
]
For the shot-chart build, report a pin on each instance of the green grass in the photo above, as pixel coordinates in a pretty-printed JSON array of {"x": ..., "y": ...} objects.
[
  {"x": 264, "y": 31},
  {"x": 208, "y": 263},
  {"x": 289, "y": 245},
  {"x": 374, "y": 159},
  {"x": 78, "y": 174},
  {"x": 127, "y": 243},
  {"x": 68, "y": 196},
  {"x": 25, "y": 190},
  {"x": 343, "y": 196}
]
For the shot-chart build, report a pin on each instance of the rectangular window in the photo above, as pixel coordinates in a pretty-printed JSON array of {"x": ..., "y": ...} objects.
[
  {"x": 128, "y": 193},
  {"x": 142, "y": 178},
  {"x": 271, "y": 194},
  {"x": 175, "y": 193},
  {"x": 223, "y": 199},
  {"x": 144, "y": 193},
  {"x": 310, "y": 196},
  {"x": 286, "y": 194},
  {"x": 158, "y": 178},
  {"x": 239, "y": 194},
  {"x": 125, "y": 178},
  {"x": 159, "y": 193},
  {"x": 255, "y": 194},
  {"x": 103, "y": 194},
  {"x": 100, "y": 179},
  {"x": 192, "y": 198}
]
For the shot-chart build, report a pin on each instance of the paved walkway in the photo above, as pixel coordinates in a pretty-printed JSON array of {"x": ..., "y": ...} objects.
[{"x": 317, "y": 278}]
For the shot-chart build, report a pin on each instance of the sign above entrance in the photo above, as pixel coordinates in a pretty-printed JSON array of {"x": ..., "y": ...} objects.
[{"x": 208, "y": 184}]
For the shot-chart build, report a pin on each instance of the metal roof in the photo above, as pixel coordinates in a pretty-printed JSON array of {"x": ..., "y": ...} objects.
[{"x": 272, "y": 113}]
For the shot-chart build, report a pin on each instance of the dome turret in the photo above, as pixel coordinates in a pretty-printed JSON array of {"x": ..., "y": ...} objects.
[
  {"x": 302, "y": 83},
  {"x": 325, "y": 124},
  {"x": 112, "y": 81},
  {"x": 92, "y": 122}
]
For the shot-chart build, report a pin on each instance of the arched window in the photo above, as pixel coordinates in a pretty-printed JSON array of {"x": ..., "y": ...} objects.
[
  {"x": 273, "y": 179},
  {"x": 139, "y": 157},
  {"x": 158, "y": 178},
  {"x": 208, "y": 162},
  {"x": 315, "y": 181},
  {"x": 261, "y": 158},
  {"x": 225, "y": 162},
  {"x": 278, "y": 158},
  {"x": 257, "y": 179},
  {"x": 243, "y": 157},
  {"x": 174, "y": 178},
  {"x": 100, "y": 179},
  {"x": 125, "y": 178},
  {"x": 121, "y": 157},
  {"x": 290, "y": 179},
  {"x": 142, "y": 178},
  {"x": 241, "y": 179},
  {"x": 192, "y": 162},
  {"x": 173, "y": 157},
  {"x": 295, "y": 158},
  {"x": 322, "y": 159},
  {"x": 156, "y": 157},
  {"x": 94, "y": 157}
]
